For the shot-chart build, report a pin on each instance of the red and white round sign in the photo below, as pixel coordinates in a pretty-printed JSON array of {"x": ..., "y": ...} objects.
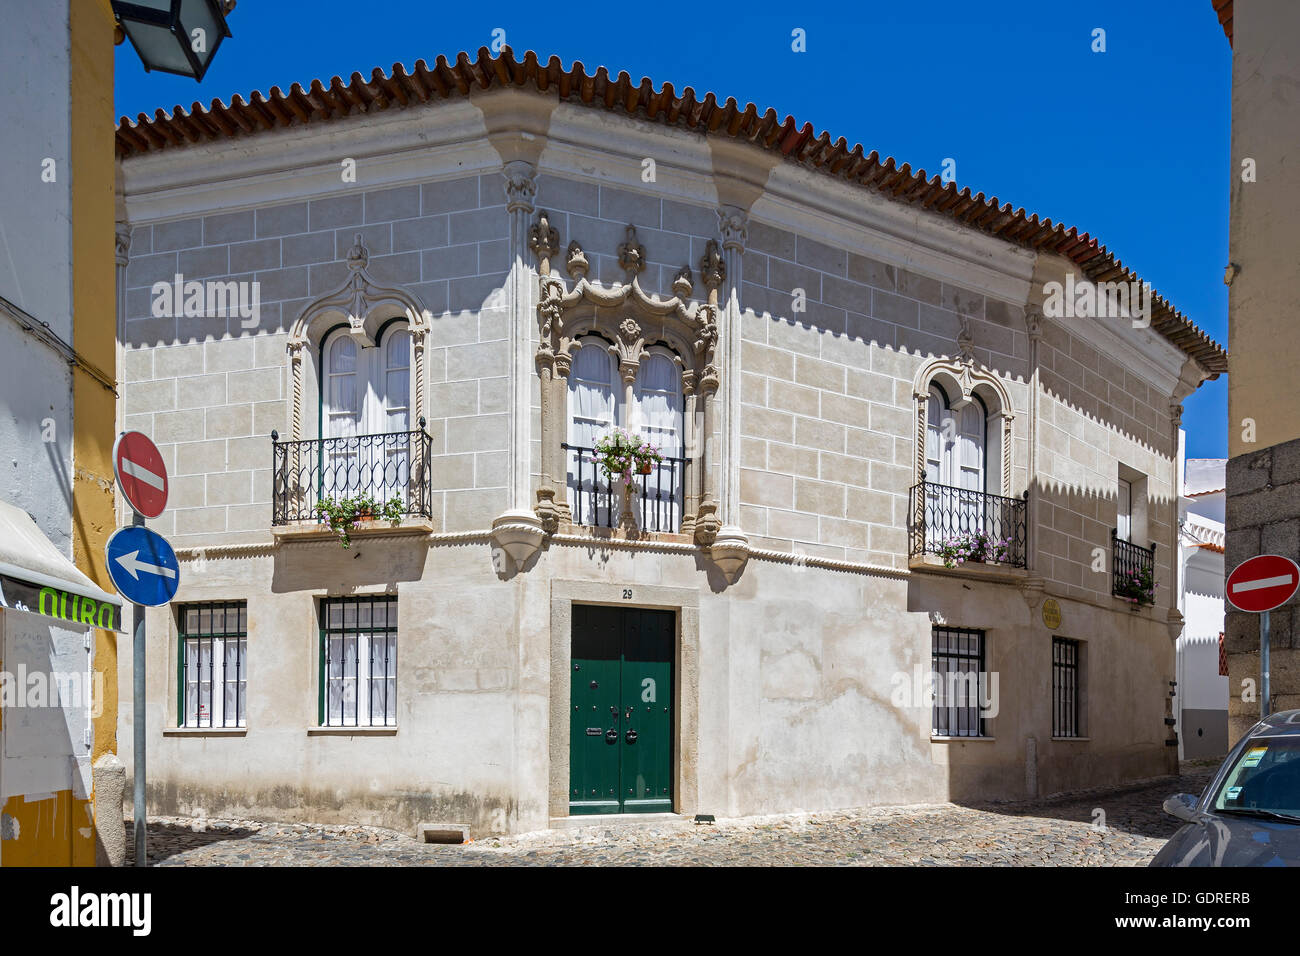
[
  {"x": 141, "y": 474},
  {"x": 1262, "y": 583}
]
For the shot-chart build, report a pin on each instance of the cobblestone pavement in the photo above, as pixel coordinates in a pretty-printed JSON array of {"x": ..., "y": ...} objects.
[{"x": 1063, "y": 831}]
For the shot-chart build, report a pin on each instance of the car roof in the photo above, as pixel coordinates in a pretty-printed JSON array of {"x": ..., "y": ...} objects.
[{"x": 1285, "y": 723}]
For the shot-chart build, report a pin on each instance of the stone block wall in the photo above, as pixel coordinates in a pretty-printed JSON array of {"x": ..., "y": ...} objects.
[
  {"x": 209, "y": 390},
  {"x": 1263, "y": 517}
]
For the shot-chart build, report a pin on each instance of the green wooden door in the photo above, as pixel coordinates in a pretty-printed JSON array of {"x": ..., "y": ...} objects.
[{"x": 621, "y": 721}]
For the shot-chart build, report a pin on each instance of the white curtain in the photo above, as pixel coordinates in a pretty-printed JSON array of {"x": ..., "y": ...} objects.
[
  {"x": 593, "y": 410},
  {"x": 1124, "y": 512},
  {"x": 395, "y": 406},
  {"x": 657, "y": 415}
]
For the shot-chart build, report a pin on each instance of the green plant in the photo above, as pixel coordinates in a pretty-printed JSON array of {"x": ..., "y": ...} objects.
[
  {"x": 342, "y": 514},
  {"x": 622, "y": 454},
  {"x": 1137, "y": 587}
]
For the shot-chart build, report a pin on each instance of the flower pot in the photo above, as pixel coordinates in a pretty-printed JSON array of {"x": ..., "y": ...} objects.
[{"x": 646, "y": 468}]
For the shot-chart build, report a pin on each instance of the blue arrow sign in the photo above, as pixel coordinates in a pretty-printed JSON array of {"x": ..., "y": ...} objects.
[{"x": 143, "y": 566}]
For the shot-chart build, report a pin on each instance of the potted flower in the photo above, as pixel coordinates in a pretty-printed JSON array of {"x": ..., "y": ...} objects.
[
  {"x": 622, "y": 454},
  {"x": 1137, "y": 587},
  {"x": 342, "y": 514},
  {"x": 974, "y": 546}
]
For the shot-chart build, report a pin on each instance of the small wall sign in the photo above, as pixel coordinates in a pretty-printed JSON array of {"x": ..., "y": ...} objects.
[{"x": 1051, "y": 614}]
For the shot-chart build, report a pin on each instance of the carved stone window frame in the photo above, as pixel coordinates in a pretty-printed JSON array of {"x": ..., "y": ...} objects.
[
  {"x": 365, "y": 306},
  {"x": 634, "y": 321},
  {"x": 962, "y": 380}
]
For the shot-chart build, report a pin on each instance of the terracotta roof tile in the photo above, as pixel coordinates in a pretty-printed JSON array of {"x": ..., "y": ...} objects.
[
  {"x": 1224, "y": 9},
  {"x": 799, "y": 144}
]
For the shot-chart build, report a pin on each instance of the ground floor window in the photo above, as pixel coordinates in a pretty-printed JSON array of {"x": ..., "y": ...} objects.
[
  {"x": 358, "y": 662},
  {"x": 213, "y": 664},
  {"x": 1065, "y": 687},
  {"x": 958, "y": 664}
]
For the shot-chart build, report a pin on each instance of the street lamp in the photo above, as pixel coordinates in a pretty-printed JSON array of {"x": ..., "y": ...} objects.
[{"x": 175, "y": 36}]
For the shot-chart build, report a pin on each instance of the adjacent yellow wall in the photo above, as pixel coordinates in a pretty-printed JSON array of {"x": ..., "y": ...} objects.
[{"x": 58, "y": 829}]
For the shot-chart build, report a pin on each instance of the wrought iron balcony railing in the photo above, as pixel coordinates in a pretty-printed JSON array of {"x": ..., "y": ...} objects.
[
  {"x": 380, "y": 467},
  {"x": 948, "y": 521},
  {"x": 1133, "y": 570},
  {"x": 597, "y": 501}
]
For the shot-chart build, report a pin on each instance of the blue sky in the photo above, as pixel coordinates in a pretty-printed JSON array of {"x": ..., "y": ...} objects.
[{"x": 1129, "y": 145}]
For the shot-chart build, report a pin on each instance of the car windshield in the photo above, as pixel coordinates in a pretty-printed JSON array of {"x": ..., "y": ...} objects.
[{"x": 1265, "y": 777}]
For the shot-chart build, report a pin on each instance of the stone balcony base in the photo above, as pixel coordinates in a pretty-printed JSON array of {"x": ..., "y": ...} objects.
[
  {"x": 997, "y": 573},
  {"x": 305, "y": 531}
]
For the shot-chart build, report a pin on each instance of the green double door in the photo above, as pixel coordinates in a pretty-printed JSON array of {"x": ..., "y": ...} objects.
[{"x": 621, "y": 717}]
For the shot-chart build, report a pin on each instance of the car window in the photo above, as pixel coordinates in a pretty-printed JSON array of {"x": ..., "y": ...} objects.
[{"x": 1266, "y": 776}]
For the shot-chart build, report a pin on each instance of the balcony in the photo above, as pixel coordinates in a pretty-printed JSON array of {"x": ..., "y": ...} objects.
[
  {"x": 1133, "y": 570},
  {"x": 968, "y": 528},
  {"x": 597, "y": 501},
  {"x": 379, "y": 467}
]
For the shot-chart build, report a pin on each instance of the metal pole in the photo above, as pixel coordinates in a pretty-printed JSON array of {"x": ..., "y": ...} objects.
[
  {"x": 1263, "y": 666},
  {"x": 137, "y": 678}
]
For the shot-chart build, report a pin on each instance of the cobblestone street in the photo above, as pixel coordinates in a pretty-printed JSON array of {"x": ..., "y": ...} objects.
[{"x": 1064, "y": 831}]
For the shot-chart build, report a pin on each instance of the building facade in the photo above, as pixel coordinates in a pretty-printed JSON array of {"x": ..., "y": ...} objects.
[
  {"x": 60, "y": 780},
  {"x": 883, "y": 458},
  {"x": 1201, "y": 701},
  {"x": 1263, "y": 516}
]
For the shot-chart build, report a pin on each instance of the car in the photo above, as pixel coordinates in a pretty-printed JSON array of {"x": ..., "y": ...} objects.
[{"x": 1249, "y": 815}]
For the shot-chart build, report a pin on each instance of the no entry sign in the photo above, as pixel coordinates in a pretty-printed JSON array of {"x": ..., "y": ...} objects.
[
  {"x": 141, "y": 474},
  {"x": 1262, "y": 583}
]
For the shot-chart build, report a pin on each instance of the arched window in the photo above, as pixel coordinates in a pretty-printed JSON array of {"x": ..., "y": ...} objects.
[
  {"x": 652, "y": 407},
  {"x": 955, "y": 466},
  {"x": 593, "y": 411},
  {"x": 658, "y": 415},
  {"x": 955, "y": 442},
  {"x": 365, "y": 411}
]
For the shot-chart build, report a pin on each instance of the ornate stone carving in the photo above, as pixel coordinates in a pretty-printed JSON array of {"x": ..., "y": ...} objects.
[
  {"x": 965, "y": 340},
  {"x": 682, "y": 283},
  {"x": 121, "y": 243},
  {"x": 577, "y": 264},
  {"x": 627, "y": 316},
  {"x": 543, "y": 240},
  {"x": 1034, "y": 324},
  {"x": 631, "y": 254},
  {"x": 707, "y": 524},
  {"x": 520, "y": 185},
  {"x": 713, "y": 271},
  {"x": 734, "y": 223}
]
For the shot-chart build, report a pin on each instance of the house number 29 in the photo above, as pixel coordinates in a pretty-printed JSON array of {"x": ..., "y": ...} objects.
[{"x": 627, "y": 594}]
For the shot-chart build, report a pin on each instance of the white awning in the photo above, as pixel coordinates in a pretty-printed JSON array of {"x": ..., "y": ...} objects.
[{"x": 36, "y": 577}]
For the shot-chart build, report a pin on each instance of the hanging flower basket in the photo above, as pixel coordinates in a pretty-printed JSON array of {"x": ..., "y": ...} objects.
[
  {"x": 1137, "y": 587},
  {"x": 620, "y": 454}
]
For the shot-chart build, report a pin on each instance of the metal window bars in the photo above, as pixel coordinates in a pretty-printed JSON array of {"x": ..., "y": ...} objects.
[
  {"x": 382, "y": 467},
  {"x": 358, "y": 662},
  {"x": 1065, "y": 687},
  {"x": 958, "y": 676},
  {"x": 596, "y": 500},
  {"x": 210, "y": 632},
  {"x": 943, "y": 513}
]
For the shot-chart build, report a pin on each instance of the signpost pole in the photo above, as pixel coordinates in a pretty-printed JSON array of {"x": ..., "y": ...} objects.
[
  {"x": 1263, "y": 666},
  {"x": 137, "y": 677}
]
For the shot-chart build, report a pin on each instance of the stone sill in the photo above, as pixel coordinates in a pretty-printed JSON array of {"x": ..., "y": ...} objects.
[
  {"x": 205, "y": 731},
  {"x": 1073, "y": 739},
  {"x": 316, "y": 531},
  {"x": 618, "y": 534},
  {"x": 1000, "y": 573},
  {"x": 351, "y": 731},
  {"x": 954, "y": 740}
]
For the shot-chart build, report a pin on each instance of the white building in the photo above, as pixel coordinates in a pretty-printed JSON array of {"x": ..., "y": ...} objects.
[
  {"x": 1201, "y": 703},
  {"x": 466, "y": 274}
]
